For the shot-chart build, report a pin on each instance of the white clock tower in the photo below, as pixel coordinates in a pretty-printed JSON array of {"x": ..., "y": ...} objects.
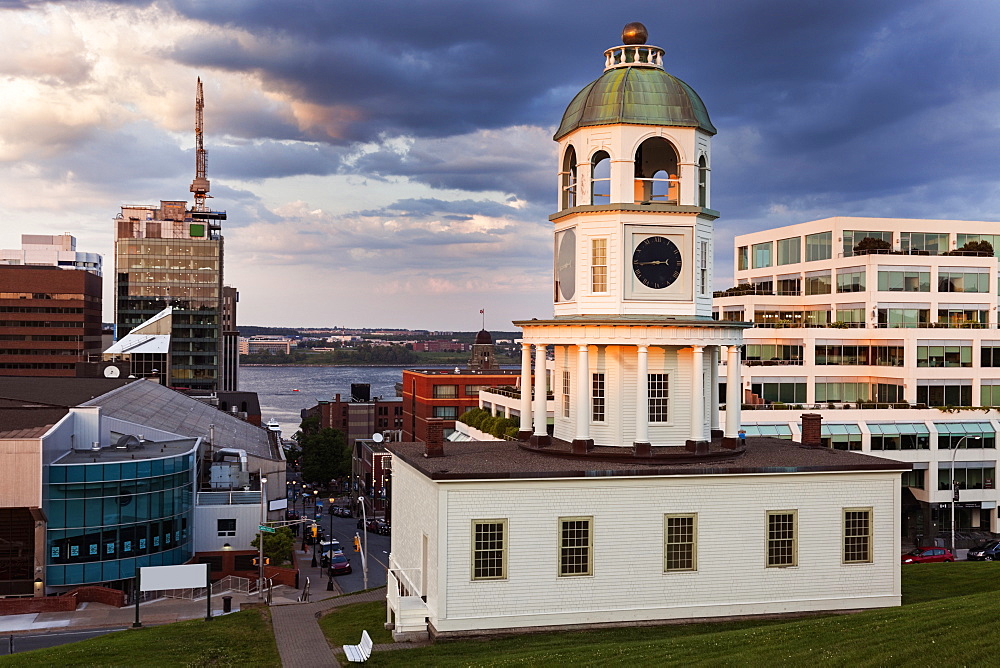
[{"x": 636, "y": 349}]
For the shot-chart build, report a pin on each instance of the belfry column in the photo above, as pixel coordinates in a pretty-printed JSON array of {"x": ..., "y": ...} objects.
[
  {"x": 524, "y": 430},
  {"x": 582, "y": 442},
  {"x": 541, "y": 434},
  {"x": 734, "y": 392},
  {"x": 713, "y": 409},
  {"x": 698, "y": 394},
  {"x": 642, "y": 445}
]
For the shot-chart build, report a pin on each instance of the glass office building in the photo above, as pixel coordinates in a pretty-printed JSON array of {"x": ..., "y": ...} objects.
[
  {"x": 170, "y": 256},
  {"x": 109, "y": 514}
]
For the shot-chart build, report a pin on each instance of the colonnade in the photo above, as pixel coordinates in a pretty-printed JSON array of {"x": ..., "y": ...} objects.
[{"x": 533, "y": 412}]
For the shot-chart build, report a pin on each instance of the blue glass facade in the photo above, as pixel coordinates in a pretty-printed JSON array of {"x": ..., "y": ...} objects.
[{"x": 107, "y": 519}]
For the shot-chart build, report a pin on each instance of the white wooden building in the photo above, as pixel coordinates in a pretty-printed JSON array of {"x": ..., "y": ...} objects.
[{"x": 637, "y": 506}]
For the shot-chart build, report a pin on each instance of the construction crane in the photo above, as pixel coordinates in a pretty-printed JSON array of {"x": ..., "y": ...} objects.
[{"x": 200, "y": 184}]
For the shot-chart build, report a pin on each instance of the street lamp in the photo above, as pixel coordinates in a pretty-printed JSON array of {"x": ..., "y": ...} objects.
[
  {"x": 260, "y": 534},
  {"x": 364, "y": 524},
  {"x": 954, "y": 487}
]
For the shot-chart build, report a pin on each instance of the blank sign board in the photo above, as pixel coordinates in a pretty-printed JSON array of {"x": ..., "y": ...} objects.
[{"x": 186, "y": 576}]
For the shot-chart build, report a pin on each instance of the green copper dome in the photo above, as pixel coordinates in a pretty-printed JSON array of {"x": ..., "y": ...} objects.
[{"x": 637, "y": 96}]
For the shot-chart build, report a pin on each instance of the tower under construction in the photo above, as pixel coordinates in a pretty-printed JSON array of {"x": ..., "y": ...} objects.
[{"x": 170, "y": 255}]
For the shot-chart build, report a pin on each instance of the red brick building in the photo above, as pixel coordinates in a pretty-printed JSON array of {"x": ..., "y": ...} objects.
[
  {"x": 50, "y": 319},
  {"x": 446, "y": 394}
]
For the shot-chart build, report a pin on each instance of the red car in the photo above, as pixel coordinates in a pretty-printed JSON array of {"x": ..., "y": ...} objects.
[
  {"x": 339, "y": 564},
  {"x": 924, "y": 555}
]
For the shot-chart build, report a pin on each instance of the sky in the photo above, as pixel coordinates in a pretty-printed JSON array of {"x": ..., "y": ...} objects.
[{"x": 391, "y": 164}]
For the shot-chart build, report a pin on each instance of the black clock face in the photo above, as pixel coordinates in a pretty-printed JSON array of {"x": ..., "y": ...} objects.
[{"x": 656, "y": 262}]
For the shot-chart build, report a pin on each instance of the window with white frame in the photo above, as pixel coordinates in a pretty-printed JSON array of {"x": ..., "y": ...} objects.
[
  {"x": 489, "y": 549},
  {"x": 782, "y": 540},
  {"x": 575, "y": 546},
  {"x": 565, "y": 392},
  {"x": 598, "y": 265},
  {"x": 680, "y": 535},
  {"x": 857, "y": 535},
  {"x": 597, "y": 397},
  {"x": 659, "y": 394}
]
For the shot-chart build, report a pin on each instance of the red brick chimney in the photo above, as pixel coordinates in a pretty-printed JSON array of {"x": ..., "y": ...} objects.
[
  {"x": 812, "y": 429},
  {"x": 434, "y": 447}
]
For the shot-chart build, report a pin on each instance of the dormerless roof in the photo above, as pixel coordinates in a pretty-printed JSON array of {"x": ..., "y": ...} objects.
[{"x": 638, "y": 96}]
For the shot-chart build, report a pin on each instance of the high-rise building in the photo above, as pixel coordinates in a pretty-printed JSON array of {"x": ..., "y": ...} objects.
[
  {"x": 50, "y": 319},
  {"x": 170, "y": 255},
  {"x": 230, "y": 380}
]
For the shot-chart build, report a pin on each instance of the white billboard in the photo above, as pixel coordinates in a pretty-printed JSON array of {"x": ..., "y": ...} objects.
[
  {"x": 186, "y": 576},
  {"x": 280, "y": 504}
]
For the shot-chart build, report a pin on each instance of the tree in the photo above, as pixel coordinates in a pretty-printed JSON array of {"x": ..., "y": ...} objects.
[
  {"x": 277, "y": 545},
  {"x": 325, "y": 454},
  {"x": 871, "y": 245},
  {"x": 980, "y": 248}
]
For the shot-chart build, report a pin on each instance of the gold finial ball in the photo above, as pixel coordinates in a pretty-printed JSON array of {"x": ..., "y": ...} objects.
[{"x": 634, "y": 33}]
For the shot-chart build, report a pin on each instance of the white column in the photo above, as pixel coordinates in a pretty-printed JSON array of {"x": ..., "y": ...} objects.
[
  {"x": 540, "y": 421},
  {"x": 583, "y": 394},
  {"x": 734, "y": 392},
  {"x": 688, "y": 191},
  {"x": 698, "y": 393},
  {"x": 713, "y": 409},
  {"x": 642, "y": 397},
  {"x": 525, "y": 388}
]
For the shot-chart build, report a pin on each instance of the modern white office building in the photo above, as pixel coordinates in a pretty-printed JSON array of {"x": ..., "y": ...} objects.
[{"x": 890, "y": 330}]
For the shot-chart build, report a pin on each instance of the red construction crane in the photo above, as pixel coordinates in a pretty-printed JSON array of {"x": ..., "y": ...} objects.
[{"x": 200, "y": 184}]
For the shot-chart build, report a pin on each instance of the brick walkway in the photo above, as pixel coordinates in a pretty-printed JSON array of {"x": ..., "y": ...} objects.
[{"x": 301, "y": 643}]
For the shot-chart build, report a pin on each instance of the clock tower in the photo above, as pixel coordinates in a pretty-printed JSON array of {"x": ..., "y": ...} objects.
[{"x": 636, "y": 350}]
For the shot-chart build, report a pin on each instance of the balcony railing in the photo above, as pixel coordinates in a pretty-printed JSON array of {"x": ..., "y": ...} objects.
[{"x": 231, "y": 498}]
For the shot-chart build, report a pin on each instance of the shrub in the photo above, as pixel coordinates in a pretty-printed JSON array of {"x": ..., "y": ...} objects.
[{"x": 871, "y": 245}]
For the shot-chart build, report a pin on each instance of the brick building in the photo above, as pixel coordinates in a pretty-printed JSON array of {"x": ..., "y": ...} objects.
[
  {"x": 445, "y": 393},
  {"x": 50, "y": 320}
]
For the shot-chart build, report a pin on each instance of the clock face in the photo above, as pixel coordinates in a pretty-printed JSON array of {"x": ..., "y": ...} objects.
[
  {"x": 566, "y": 265},
  {"x": 656, "y": 262},
  {"x": 112, "y": 372}
]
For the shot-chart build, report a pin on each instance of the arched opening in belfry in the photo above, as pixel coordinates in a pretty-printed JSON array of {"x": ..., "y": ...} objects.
[
  {"x": 567, "y": 179},
  {"x": 656, "y": 175},
  {"x": 702, "y": 182},
  {"x": 600, "y": 178}
]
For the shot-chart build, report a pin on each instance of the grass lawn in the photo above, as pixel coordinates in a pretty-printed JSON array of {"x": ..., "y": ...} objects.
[
  {"x": 944, "y": 620},
  {"x": 240, "y": 639},
  {"x": 343, "y": 626},
  {"x": 941, "y": 622}
]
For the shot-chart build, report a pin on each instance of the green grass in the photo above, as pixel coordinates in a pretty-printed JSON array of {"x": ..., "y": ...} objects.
[
  {"x": 240, "y": 639},
  {"x": 945, "y": 620},
  {"x": 343, "y": 626}
]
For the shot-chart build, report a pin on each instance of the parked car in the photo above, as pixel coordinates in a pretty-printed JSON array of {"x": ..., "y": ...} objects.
[
  {"x": 924, "y": 555},
  {"x": 988, "y": 552},
  {"x": 381, "y": 527},
  {"x": 339, "y": 564}
]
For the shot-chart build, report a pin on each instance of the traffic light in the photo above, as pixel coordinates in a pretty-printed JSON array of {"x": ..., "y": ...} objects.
[
  {"x": 315, "y": 530},
  {"x": 357, "y": 544},
  {"x": 267, "y": 561}
]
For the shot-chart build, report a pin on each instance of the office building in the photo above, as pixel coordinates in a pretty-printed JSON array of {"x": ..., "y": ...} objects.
[
  {"x": 887, "y": 327},
  {"x": 170, "y": 255},
  {"x": 50, "y": 320},
  {"x": 51, "y": 250}
]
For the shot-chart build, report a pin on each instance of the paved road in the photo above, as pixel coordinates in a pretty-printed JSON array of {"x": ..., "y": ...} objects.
[
  {"x": 24, "y": 643},
  {"x": 344, "y": 529}
]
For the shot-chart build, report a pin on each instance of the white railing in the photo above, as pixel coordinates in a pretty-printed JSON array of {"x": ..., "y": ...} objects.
[
  {"x": 228, "y": 498},
  {"x": 628, "y": 55}
]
